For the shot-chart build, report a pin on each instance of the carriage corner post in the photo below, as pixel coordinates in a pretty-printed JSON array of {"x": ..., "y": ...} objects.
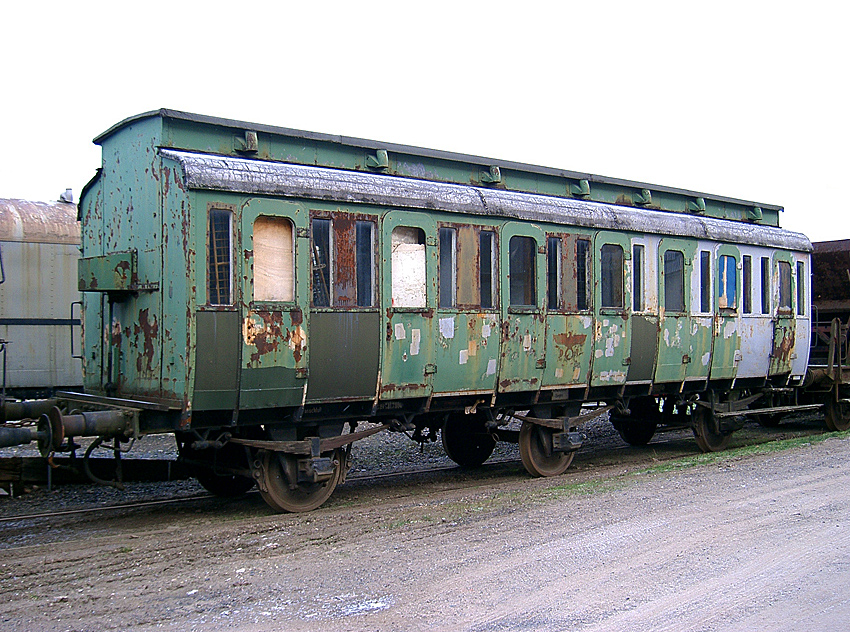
[{"x": 259, "y": 291}]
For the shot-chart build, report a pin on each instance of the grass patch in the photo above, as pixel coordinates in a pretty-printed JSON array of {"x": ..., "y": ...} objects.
[{"x": 733, "y": 454}]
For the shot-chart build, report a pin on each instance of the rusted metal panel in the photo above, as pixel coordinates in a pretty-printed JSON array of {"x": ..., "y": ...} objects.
[
  {"x": 569, "y": 339},
  {"x": 344, "y": 355}
]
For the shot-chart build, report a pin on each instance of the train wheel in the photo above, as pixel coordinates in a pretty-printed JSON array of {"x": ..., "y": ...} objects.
[
  {"x": 466, "y": 441},
  {"x": 538, "y": 457},
  {"x": 280, "y": 496},
  {"x": 707, "y": 439},
  {"x": 837, "y": 416}
]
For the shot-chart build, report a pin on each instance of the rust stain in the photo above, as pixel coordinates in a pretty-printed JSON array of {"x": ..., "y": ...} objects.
[
  {"x": 149, "y": 328},
  {"x": 569, "y": 346}
]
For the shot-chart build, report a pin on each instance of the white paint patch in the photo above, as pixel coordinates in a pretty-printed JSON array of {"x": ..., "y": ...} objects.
[
  {"x": 706, "y": 359},
  {"x": 586, "y": 321},
  {"x": 447, "y": 327},
  {"x": 491, "y": 367},
  {"x": 598, "y": 353},
  {"x": 485, "y": 330},
  {"x": 526, "y": 342},
  {"x": 559, "y": 373},
  {"x": 463, "y": 356},
  {"x": 415, "y": 337},
  {"x": 730, "y": 329},
  {"x": 613, "y": 376},
  {"x": 399, "y": 331}
]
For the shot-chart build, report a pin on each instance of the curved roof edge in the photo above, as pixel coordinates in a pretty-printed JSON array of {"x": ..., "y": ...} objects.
[
  {"x": 39, "y": 222},
  {"x": 255, "y": 177}
]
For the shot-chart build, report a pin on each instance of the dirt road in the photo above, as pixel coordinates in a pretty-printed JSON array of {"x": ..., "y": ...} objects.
[{"x": 749, "y": 542}]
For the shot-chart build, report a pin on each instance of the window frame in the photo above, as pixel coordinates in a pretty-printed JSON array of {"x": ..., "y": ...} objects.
[
  {"x": 607, "y": 279},
  {"x": 723, "y": 276},
  {"x": 668, "y": 277},
  {"x": 292, "y": 260},
  {"x": 342, "y": 223},
  {"x": 230, "y": 210}
]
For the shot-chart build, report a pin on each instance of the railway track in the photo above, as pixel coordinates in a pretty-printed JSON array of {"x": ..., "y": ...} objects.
[{"x": 605, "y": 455}]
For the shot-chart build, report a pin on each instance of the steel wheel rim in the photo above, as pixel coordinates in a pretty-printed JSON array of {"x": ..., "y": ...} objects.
[
  {"x": 306, "y": 497},
  {"x": 532, "y": 449}
]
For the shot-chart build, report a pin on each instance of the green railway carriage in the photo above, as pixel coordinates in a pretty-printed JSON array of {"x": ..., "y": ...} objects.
[{"x": 257, "y": 290}]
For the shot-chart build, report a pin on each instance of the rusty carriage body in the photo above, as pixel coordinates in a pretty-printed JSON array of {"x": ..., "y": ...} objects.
[{"x": 261, "y": 291}]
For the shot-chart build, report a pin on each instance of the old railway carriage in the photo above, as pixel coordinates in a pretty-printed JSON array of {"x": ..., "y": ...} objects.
[{"x": 260, "y": 290}]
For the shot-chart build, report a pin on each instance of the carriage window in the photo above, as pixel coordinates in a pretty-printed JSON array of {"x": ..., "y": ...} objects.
[
  {"x": 582, "y": 270},
  {"x": 612, "y": 276},
  {"x": 748, "y": 284},
  {"x": 801, "y": 288},
  {"x": 343, "y": 262},
  {"x": 523, "y": 271},
  {"x": 487, "y": 266},
  {"x": 448, "y": 267},
  {"x": 274, "y": 260},
  {"x": 408, "y": 267},
  {"x": 637, "y": 277},
  {"x": 727, "y": 282},
  {"x": 784, "y": 285},
  {"x": 765, "y": 285},
  {"x": 674, "y": 281},
  {"x": 553, "y": 273},
  {"x": 220, "y": 260},
  {"x": 704, "y": 281},
  {"x": 321, "y": 261},
  {"x": 365, "y": 263}
]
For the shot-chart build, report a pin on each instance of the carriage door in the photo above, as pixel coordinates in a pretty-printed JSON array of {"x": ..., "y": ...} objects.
[
  {"x": 784, "y": 326},
  {"x": 344, "y": 334},
  {"x": 274, "y": 352},
  {"x": 408, "y": 257},
  {"x": 611, "y": 340},
  {"x": 523, "y": 263},
  {"x": 675, "y": 258},
  {"x": 727, "y": 323}
]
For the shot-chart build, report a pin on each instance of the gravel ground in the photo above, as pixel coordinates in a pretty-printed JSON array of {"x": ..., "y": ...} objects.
[{"x": 382, "y": 453}]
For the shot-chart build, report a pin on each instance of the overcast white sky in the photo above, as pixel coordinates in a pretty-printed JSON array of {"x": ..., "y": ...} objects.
[{"x": 740, "y": 99}]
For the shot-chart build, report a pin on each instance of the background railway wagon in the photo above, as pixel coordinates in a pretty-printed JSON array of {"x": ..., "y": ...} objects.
[{"x": 39, "y": 250}]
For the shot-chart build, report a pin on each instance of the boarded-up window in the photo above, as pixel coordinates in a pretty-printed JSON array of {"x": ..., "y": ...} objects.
[
  {"x": 220, "y": 258},
  {"x": 274, "y": 260},
  {"x": 801, "y": 288},
  {"x": 408, "y": 267},
  {"x": 611, "y": 267},
  {"x": 523, "y": 271},
  {"x": 727, "y": 282},
  {"x": 674, "y": 281}
]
